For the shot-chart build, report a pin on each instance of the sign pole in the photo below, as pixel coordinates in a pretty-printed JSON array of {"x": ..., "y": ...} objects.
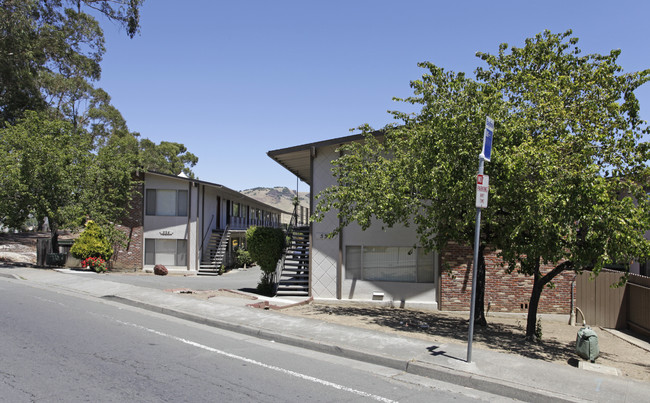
[
  {"x": 485, "y": 156},
  {"x": 477, "y": 239}
]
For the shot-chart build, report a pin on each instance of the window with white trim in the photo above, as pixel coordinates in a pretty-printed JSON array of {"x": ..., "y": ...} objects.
[
  {"x": 389, "y": 263},
  {"x": 167, "y": 202},
  {"x": 168, "y": 252}
]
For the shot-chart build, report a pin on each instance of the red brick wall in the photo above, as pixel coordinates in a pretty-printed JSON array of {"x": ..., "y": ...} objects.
[
  {"x": 130, "y": 257},
  {"x": 504, "y": 292}
]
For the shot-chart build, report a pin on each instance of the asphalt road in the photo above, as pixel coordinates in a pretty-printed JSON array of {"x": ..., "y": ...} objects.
[{"x": 59, "y": 347}]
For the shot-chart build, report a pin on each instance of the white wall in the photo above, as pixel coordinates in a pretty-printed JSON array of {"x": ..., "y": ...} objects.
[
  {"x": 169, "y": 227},
  {"x": 325, "y": 253}
]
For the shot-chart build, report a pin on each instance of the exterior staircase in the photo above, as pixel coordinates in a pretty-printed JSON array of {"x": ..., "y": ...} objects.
[
  {"x": 294, "y": 277},
  {"x": 215, "y": 253}
]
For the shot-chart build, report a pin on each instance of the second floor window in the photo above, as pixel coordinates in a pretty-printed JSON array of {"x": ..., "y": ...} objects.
[{"x": 164, "y": 202}]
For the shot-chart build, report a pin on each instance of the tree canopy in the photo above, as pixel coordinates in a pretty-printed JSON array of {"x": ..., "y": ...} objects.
[
  {"x": 66, "y": 151},
  {"x": 51, "y": 50},
  {"x": 568, "y": 166}
]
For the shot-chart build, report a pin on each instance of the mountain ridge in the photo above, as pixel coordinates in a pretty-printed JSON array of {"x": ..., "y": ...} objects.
[{"x": 279, "y": 196}]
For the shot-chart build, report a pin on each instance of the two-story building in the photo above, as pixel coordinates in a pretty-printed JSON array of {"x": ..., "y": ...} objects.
[
  {"x": 188, "y": 225},
  {"x": 387, "y": 264}
]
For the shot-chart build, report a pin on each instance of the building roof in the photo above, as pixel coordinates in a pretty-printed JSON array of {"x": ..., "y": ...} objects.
[
  {"x": 234, "y": 195},
  {"x": 297, "y": 159}
]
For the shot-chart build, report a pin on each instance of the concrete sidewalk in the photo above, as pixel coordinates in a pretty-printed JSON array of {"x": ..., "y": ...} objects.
[{"x": 502, "y": 374}]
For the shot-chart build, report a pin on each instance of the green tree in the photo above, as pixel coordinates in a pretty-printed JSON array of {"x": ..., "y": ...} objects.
[
  {"x": 50, "y": 53},
  {"x": 167, "y": 157},
  {"x": 567, "y": 170},
  {"x": 51, "y": 50},
  {"x": 265, "y": 246},
  {"x": 44, "y": 160},
  {"x": 53, "y": 170}
]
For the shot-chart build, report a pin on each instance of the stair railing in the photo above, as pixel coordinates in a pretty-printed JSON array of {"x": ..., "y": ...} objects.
[
  {"x": 221, "y": 242},
  {"x": 289, "y": 240},
  {"x": 293, "y": 222},
  {"x": 204, "y": 235}
]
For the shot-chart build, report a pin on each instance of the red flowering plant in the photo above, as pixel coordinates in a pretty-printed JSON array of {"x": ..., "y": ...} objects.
[{"x": 95, "y": 263}]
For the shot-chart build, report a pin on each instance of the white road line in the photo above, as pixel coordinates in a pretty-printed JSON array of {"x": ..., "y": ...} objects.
[{"x": 261, "y": 364}]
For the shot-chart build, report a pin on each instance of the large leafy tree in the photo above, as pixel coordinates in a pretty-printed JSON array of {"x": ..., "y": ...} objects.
[
  {"x": 567, "y": 170},
  {"x": 167, "y": 157},
  {"x": 43, "y": 160},
  {"x": 51, "y": 50},
  {"x": 67, "y": 152}
]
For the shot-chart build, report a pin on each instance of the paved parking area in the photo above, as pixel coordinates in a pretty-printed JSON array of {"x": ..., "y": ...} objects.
[{"x": 238, "y": 279}]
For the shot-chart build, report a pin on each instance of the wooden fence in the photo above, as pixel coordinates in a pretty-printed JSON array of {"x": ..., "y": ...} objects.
[{"x": 614, "y": 307}]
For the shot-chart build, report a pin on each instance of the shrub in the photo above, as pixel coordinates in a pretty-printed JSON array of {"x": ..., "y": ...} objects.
[
  {"x": 243, "y": 258},
  {"x": 95, "y": 263},
  {"x": 265, "y": 286},
  {"x": 265, "y": 246},
  {"x": 92, "y": 243}
]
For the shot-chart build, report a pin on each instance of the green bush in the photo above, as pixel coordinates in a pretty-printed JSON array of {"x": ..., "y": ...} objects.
[
  {"x": 92, "y": 243},
  {"x": 265, "y": 286},
  {"x": 243, "y": 258},
  {"x": 265, "y": 246}
]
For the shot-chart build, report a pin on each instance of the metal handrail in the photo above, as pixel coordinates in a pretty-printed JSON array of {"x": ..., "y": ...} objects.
[
  {"x": 222, "y": 240},
  {"x": 206, "y": 234},
  {"x": 278, "y": 268},
  {"x": 293, "y": 222}
]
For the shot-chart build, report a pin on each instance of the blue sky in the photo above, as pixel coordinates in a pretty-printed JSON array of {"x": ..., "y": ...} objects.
[{"x": 233, "y": 80}]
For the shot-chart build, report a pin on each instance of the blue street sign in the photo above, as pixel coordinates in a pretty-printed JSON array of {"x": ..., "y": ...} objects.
[{"x": 487, "y": 139}]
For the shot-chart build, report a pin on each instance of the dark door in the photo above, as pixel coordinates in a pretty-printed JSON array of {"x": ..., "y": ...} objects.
[{"x": 218, "y": 212}]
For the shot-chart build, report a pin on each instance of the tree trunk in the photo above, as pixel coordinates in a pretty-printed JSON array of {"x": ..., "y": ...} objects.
[
  {"x": 54, "y": 233},
  {"x": 539, "y": 282},
  {"x": 533, "y": 304},
  {"x": 479, "y": 308}
]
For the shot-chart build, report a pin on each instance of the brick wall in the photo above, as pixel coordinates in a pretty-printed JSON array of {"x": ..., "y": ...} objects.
[
  {"x": 130, "y": 257},
  {"x": 504, "y": 292}
]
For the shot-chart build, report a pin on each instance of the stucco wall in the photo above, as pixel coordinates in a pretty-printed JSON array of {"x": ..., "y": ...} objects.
[
  {"x": 172, "y": 227},
  {"x": 402, "y": 293},
  {"x": 325, "y": 253},
  {"x": 504, "y": 292}
]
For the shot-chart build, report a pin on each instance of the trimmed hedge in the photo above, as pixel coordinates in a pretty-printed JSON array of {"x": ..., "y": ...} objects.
[{"x": 265, "y": 246}]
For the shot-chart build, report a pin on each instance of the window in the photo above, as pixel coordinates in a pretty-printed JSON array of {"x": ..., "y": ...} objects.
[
  {"x": 389, "y": 263},
  {"x": 163, "y": 202},
  {"x": 168, "y": 252}
]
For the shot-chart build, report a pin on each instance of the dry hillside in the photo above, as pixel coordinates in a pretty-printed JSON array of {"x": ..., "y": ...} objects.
[{"x": 280, "y": 197}]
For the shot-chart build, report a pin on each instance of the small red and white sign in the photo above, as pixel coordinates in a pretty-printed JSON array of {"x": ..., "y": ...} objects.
[{"x": 482, "y": 188}]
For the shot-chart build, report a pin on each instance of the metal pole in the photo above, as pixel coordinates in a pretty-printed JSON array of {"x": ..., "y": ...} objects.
[{"x": 477, "y": 238}]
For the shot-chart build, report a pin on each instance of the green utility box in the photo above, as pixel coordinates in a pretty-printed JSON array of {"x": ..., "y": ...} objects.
[{"x": 587, "y": 344}]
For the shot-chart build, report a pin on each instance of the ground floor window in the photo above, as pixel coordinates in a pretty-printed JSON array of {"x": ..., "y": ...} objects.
[
  {"x": 168, "y": 252},
  {"x": 389, "y": 263}
]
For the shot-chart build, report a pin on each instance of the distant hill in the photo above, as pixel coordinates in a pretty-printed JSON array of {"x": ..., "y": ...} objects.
[{"x": 279, "y": 197}]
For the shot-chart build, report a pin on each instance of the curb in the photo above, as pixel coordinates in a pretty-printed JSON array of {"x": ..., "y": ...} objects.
[{"x": 498, "y": 387}]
